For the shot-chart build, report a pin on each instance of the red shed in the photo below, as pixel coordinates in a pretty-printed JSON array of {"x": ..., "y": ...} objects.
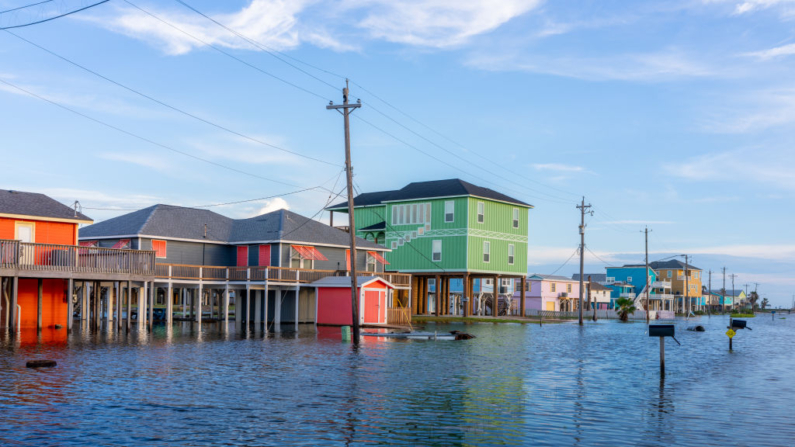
[{"x": 334, "y": 300}]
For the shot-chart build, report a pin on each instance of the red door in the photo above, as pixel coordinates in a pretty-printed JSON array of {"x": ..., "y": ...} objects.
[
  {"x": 242, "y": 256},
  {"x": 372, "y": 306},
  {"x": 264, "y": 255}
]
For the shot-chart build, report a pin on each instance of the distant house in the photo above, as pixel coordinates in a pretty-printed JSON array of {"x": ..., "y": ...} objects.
[
  {"x": 549, "y": 292},
  {"x": 685, "y": 282},
  {"x": 443, "y": 232},
  {"x": 600, "y": 278},
  {"x": 268, "y": 261},
  {"x": 599, "y": 295},
  {"x": 731, "y": 299}
]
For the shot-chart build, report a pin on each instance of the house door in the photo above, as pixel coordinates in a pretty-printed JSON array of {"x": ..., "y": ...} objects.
[
  {"x": 550, "y": 306},
  {"x": 372, "y": 306}
]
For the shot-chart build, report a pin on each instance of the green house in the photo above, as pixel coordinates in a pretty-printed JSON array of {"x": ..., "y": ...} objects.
[{"x": 442, "y": 230}]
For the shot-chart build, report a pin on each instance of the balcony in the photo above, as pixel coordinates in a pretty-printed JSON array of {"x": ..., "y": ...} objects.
[
  {"x": 627, "y": 295},
  {"x": 32, "y": 260},
  {"x": 661, "y": 284},
  {"x": 181, "y": 272}
]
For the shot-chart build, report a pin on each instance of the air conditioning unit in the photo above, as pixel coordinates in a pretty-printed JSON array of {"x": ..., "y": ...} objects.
[{"x": 564, "y": 294}]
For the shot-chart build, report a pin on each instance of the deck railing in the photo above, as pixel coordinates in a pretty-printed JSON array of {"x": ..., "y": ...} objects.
[
  {"x": 74, "y": 259},
  {"x": 260, "y": 274},
  {"x": 400, "y": 316}
]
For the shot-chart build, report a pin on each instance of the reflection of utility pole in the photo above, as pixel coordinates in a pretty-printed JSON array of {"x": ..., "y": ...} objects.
[
  {"x": 583, "y": 207},
  {"x": 709, "y": 295},
  {"x": 687, "y": 290},
  {"x": 346, "y": 109}
]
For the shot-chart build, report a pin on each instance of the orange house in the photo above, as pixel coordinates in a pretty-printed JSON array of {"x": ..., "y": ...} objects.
[{"x": 32, "y": 218}]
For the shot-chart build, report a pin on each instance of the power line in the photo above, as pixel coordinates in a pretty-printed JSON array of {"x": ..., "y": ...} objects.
[
  {"x": 147, "y": 140},
  {"x": 176, "y": 109},
  {"x": 25, "y": 7},
  {"x": 567, "y": 261},
  {"x": 609, "y": 264},
  {"x": 56, "y": 17}
]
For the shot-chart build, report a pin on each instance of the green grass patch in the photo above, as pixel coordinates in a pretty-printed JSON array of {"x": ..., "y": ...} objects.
[
  {"x": 432, "y": 319},
  {"x": 739, "y": 315}
]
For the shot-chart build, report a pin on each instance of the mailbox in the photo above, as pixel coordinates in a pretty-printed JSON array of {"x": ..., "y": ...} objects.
[
  {"x": 738, "y": 324},
  {"x": 661, "y": 330}
]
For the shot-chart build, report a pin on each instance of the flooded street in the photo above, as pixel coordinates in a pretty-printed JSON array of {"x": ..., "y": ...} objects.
[{"x": 513, "y": 384}]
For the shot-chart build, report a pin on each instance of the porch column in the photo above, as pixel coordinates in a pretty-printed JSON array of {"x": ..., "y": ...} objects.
[
  {"x": 257, "y": 310},
  {"x": 170, "y": 303},
  {"x": 143, "y": 292},
  {"x": 409, "y": 304},
  {"x": 277, "y": 312},
  {"x": 265, "y": 298},
  {"x": 117, "y": 286},
  {"x": 247, "y": 318},
  {"x": 522, "y": 295},
  {"x": 199, "y": 303},
  {"x": 84, "y": 311},
  {"x": 151, "y": 305},
  {"x": 495, "y": 308},
  {"x": 70, "y": 307},
  {"x": 297, "y": 297},
  {"x": 129, "y": 305},
  {"x": 226, "y": 308},
  {"x": 39, "y": 304},
  {"x": 13, "y": 312},
  {"x": 96, "y": 292}
]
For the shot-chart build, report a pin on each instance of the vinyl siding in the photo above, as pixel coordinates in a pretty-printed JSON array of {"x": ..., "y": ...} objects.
[
  {"x": 336, "y": 258},
  {"x": 497, "y": 228},
  {"x": 193, "y": 253}
]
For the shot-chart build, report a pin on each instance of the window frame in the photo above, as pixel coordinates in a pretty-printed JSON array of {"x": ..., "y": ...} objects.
[
  {"x": 481, "y": 210},
  {"x": 486, "y": 252},
  {"x": 451, "y": 213},
  {"x": 371, "y": 261},
  {"x": 434, "y": 252},
  {"x": 511, "y": 254},
  {"x": 553, "y": 287},
  {"x": 516, "y": 217},
  {"x": 157, "y": 251}
]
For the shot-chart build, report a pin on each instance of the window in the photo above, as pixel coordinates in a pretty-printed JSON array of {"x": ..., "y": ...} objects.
[
  {"x": 553, "y": 287},
  {"x": 401, "y": 219},
  {"x": 481, "y": 210},
  {"x": 411, "y": 214},
  {"x": 414, "y": 213},
  {"x": 486, "y": 251},
  {"x": 371, "y": 263},
  {"x": 299, "y": 262},
  {"x": 510, "y": 254},
  {"x": 568, "y": 288},
  {"x": 437, "y": 251},
  {"x": 610, "y": 279},
  {"x": 160, "y": 248},
  {"x": 432, "y": 285},
  {"x": 394, "y": 245},
  {"x": 422, "y": 214},
  {"x": 427, "y": 214},
  {"x": 629, "y": 279},
  {"x": 695, "y": 275},
  {"x": 516, "y": 217},
  {"x": 669, "y": 273},
  {"x": 449, "y": 211}
]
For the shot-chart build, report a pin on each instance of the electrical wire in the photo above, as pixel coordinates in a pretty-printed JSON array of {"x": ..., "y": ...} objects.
[
  {"x": 609, "y": 264},
  {"x": 26, "y": 6},
  {"x": 565, "y": 263},
  {"x": 141, "y": 138},
  {"x": 176, "y": 109},
  {"x": 56, "y": 17}
]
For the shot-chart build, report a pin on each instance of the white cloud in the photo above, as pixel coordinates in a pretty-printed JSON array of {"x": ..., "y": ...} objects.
[
  {"x": 146, "y": 160},
  {"x": 759, "y": 165},
  {"x": 639, "y": 67},
  {"x": 437, "y": 23},
  {"x": 272, "y": 23},
  {"x": 779, "y": 252},
  {"x": 557, "y": 167},
  {"x": 783, "y": 50},
  {"x": 273, "y": 205}
]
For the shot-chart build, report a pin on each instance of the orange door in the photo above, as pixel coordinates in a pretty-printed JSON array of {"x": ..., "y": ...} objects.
[{"x": 372, "y": 306}]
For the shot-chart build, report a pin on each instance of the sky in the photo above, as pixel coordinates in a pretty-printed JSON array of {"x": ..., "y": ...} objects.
[{"x": 674, "y": 115}]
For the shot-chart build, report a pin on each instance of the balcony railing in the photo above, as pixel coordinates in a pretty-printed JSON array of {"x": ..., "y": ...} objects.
[
  {"x": 627, "y": 295},
  {"x": 75, "y": 259},
  {"x": 661, "y": 284},
  {"x": 260, "y": 274}
]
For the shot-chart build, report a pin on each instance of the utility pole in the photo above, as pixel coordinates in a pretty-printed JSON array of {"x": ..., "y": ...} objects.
[
  {"x": 582, "y": 207},
  {"x": 723, "y": 292},
  {"x": 647, "y": 274},
  {"x": 687, "y": 290},
  {"x": 733, "y": 292},
  {"x": 345, "y": 109}
]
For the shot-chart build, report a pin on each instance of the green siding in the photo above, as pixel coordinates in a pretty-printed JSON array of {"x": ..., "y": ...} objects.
[{"x": 497, "y": 228}]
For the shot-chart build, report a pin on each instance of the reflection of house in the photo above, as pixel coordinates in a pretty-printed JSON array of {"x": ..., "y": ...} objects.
[
  {"x": 268, "y": 262},
  {"x": 42, "y": 266},
  {"x": 685, "y": 282},
  {"x": 549, "y": 292},
  {"x": 444, "y": 231}
]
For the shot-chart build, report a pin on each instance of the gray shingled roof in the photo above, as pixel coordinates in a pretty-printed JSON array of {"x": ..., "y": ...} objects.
[
  {"x": 672, "y": 264},
  {"x": 344, "y": 281},
  {"x": 429, "y": 190},
  {"x": 595, "y": 277},
  {"x": 178, "y": 222},
  {"x": 731, "y": 293},
  {"x": 596, "y": 286},
  {"x": 549, "y": 277},
  {"x": 35, "y": 204}
]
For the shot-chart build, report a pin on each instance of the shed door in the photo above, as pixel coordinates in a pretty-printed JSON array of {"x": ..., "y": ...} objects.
[
  {"x": 372, "y": 306},
  {"x": 242, "y": 256}
]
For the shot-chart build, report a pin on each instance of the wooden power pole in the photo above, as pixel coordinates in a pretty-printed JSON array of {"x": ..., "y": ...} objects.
[
  {"x": 345, "y": 110},
  {"x": 647, "y": 274},
  {"x": 582, "y": 207}
]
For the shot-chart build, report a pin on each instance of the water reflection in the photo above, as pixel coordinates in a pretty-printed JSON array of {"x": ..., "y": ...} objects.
[{"x": 512, "y": 385}]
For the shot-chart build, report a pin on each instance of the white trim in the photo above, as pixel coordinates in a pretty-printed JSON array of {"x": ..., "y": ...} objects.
[
  {"x": 433, "y": 252},
  {"x": 451, "y": 197},
  {"x": 45, "y": 219},
  {"x": 204, "y": 241},
  {"x": 511, "y": 262},
  {"x": 477, "y": 216},
  {"x": 451, "y": 202}
]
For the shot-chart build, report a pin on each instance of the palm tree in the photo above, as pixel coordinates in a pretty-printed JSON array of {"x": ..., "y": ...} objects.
[
  {"x": 626, "y": 306},
  {"x": 753, "y": 297},
  {"x": 765, "y": 303}
]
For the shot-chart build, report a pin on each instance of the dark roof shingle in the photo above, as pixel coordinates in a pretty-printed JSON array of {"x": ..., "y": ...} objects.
[{"x": 36, "y": 205}]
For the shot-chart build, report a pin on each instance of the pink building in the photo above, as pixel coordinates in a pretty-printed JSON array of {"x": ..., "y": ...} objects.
[{"x": 549, "y": 292}]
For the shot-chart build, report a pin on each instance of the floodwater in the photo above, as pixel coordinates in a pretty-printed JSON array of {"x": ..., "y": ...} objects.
[{"x": 513, "y": 385}]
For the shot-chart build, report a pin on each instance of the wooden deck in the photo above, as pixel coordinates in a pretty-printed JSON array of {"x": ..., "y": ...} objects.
[{"x": 30, "y": 260}]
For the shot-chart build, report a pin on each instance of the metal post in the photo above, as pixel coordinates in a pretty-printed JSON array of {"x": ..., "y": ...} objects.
[{"x": 346, "y": 109}]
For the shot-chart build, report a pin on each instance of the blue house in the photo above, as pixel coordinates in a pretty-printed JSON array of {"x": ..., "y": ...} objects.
[{"x": 632, "y": 275}]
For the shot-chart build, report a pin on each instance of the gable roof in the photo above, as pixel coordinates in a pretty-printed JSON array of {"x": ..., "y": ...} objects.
[
  {"x": 672, "y": 264},
  {"x": 168, "y": 221},
  {"x": 732, "y": 293},
  {"x": 595, "y": 277},
  {"x": 429, "y": 190},
  {"x": 31, "y": 204},
  {"x": 598, "y": 287},
  {"x": 538, "y": 277}
]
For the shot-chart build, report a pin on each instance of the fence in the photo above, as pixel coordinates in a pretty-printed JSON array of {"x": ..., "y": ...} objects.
[
  {"x": 399, "y": 316},
  {"x": 74, "y": 259}
]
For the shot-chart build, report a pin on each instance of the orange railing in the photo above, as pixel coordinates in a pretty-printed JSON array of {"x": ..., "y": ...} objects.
[{"x": 75, "y": 259}]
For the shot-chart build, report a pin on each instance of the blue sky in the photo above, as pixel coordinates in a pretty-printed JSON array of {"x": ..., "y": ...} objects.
[{"x": 679, "y": 115}]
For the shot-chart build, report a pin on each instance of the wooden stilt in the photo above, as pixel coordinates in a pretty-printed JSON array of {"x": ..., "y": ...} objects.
[
  {"x": 70, "y": 307},
  {"x": 129, "y": 305},
  {"x": 39, "y": 304},
  {"x": 438, "y": 292},
  {"x": 522, "y": 297}
]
